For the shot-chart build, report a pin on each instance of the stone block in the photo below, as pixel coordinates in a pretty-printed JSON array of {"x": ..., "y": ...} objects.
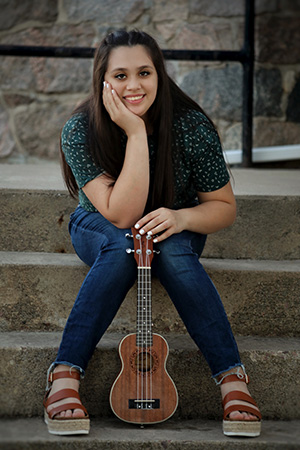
[
  {"x": 218, "y": 91},
  {"x": 203, "y": 36},
  {"x": 265, "y": 6},
  {"x": 289, "y": 5},
  {"x": 16, "y": 74},
  {"x": 7, "y": 143},
  {"x": 14, "y": 12},
  {"x": 231, "y": 135},
  {"x": 217, "y": 8},
  {"x": 278, "y": 39},
  {"x": 271, "y": 133},
  {"x": 268, "y": 93},
  {"x": 13, "y": 100},
  {"x": 39, "y": 126},
  {"x": 170, "y": 11},
  {"x": 112, "y": 12}
]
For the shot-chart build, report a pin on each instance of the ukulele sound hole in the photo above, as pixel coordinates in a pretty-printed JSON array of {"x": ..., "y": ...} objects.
[{"x": 144, "y": 362}]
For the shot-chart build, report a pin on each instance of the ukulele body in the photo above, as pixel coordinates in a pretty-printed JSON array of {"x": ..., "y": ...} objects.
[{"x": 143, "y": 392}]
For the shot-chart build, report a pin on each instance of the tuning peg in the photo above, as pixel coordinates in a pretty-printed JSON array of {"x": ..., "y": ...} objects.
[
  {"x": 156, "y": 251},
  {"x": 129, "y": 250},
  {"x": 128, "y": 235}
]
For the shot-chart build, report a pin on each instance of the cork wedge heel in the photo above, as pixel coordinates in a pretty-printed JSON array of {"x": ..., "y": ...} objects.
[{"x": 62, "y": 425}]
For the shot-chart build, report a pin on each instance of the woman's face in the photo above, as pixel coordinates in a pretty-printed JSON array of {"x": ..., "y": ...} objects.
[{"x": 133, "y": 76}]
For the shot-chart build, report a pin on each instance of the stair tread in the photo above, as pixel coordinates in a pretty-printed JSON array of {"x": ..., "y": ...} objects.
[
  {"x": 47, "y": 176},
  {"x": 112, "y": 432},
  {"x": 45, "y": 339},
  {"x": 44, "y": 259}
]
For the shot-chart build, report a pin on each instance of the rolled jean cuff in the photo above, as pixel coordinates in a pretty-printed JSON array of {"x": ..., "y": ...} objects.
[
  {"x": 65, "y": 363},
  {"x": 226, "y": 370}
]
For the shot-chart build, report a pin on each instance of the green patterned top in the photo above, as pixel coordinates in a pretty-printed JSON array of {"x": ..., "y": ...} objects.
[{"x": 197, "y": 155}]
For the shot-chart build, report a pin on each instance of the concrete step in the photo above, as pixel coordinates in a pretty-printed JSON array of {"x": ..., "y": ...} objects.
[
  {"x": 112, "y": 434},
  {"x": 36, "y": 206},
  {"x": 273, "y": 365},
  {"x": 37, "y": 292}
]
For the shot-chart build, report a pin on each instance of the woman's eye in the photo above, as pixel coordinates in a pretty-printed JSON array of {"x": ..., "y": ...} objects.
[
  {"x": 144, "y": 73},
  {"x": 120, "y": 76}
]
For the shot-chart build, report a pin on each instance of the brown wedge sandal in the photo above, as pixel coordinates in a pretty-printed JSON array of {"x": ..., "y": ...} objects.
[
  {"x": 62, "y": 425},
  {"x": 247, "y": 428}
]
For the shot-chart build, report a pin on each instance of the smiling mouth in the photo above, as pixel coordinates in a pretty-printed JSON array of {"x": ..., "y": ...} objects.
[{"x": 135, "y": 98}]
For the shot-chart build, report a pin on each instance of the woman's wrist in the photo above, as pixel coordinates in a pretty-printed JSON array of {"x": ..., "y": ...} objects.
[{"x": 138, "y": 130}]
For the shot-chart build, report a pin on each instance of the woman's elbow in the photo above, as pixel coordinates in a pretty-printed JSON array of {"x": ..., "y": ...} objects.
[{"x": 232, "y": 214}]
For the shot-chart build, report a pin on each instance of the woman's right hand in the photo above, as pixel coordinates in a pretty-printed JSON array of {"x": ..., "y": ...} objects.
[{"x": 125, "y": 119}]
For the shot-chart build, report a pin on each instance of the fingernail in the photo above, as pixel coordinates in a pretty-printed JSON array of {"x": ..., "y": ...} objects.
[
  {"x": 154, "y": 240},
  {"x": 112, "y": 91},
  {"x": 142, "y": 231},
  {"x": 149, "y": 233},
  {"x": 103, "y": 83},
  {"x": 136, "y": 225}
]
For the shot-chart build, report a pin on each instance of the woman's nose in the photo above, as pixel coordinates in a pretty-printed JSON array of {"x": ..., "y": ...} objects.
[{"x": 133, "y": 83}]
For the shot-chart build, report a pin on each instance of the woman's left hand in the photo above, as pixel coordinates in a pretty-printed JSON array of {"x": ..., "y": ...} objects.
[{"x": 163, "y": 221}]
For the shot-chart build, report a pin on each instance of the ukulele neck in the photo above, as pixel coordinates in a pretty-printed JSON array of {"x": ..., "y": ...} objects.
[{"x": 144, "y": 308}]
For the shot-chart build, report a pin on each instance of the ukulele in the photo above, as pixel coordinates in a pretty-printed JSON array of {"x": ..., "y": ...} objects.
[{"x": 143, "y": 392}]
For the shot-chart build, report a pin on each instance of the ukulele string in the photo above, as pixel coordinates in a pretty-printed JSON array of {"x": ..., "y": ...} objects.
[
  {"x": 140, "y": 306},
  {"x": 142, "y": 368},
  {"x": 146, "y": 321},
  {"x": 149, "y": 318},
  {"x": 144, "y": 359}
]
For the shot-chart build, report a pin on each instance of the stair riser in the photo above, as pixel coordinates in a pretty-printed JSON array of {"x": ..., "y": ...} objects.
[
  {"x": 112, "y": 434},
  {"x": 40, "y": 297},
  {"x": 266, "y": 227},
  {"x": 23, "y": 370}
]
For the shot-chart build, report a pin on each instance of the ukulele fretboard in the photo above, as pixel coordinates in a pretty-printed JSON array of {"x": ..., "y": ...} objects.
[{"x": 144, "y": 309}]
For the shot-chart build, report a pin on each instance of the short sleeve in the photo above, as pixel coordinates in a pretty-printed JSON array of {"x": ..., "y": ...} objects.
[
  {"x": 208, "y": 167},
  {"x": 74, "y": 142}
]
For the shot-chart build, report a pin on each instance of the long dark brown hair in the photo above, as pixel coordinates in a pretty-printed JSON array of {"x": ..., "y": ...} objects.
[{"x": 105, "y": 136}]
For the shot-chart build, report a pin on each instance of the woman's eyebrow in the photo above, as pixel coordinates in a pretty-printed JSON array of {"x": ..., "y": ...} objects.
[{"x": 124, "y": 69}]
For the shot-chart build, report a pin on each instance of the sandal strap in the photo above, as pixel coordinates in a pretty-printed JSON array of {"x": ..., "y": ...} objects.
[
  {"x": 61, "y": 395},
  {"x": 240, "y": 396},
  {"x": 66, "y": 407},
  {"x": 64, "y": 374},
  {"x": 236, "y": 377},
  {"x": 243, "y": 408}
]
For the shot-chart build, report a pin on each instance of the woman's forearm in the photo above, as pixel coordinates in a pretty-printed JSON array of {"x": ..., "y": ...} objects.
[
  {"x": 128, "y": 196},
  {"x": 208, "y": 217}
]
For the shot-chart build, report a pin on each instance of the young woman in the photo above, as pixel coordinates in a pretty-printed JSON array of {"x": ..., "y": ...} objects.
[{"x": 139, "y": 152}]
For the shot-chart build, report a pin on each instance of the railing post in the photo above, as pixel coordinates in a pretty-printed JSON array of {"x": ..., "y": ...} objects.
[{"x": 248, "y": 72}]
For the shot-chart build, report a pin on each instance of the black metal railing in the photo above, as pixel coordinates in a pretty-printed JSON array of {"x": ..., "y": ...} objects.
[{"x": 245, "y": 56}]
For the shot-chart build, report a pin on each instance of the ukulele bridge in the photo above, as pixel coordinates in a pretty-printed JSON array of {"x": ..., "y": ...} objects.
[{"x": 144, "y": 404}]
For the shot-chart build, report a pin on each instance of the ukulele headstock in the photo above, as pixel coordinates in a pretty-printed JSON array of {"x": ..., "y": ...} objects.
[{"x": 143, "y": 248}]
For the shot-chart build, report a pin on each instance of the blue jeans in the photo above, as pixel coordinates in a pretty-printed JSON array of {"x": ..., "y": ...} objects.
[{"x": 113, "y": 272}]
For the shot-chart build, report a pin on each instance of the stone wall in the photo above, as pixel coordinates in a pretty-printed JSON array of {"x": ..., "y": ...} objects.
[{"x": 38, "y": 94}]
